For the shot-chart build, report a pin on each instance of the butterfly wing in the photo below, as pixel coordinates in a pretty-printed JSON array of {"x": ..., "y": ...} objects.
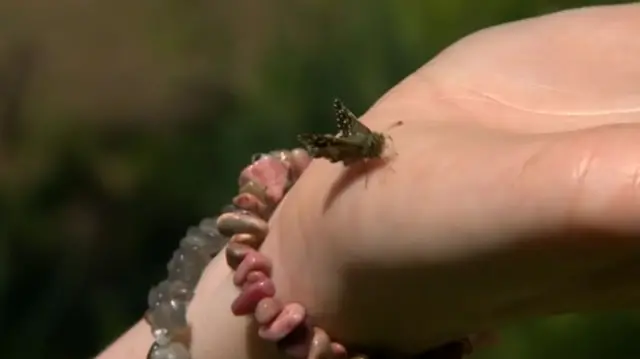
[
  {"x": 360, "y": 129},
  {"x": 354, "y": 141},
  {"x": 345, "y": 119},
  {"x": 333, "y": 148},
  {"x": 319, "y": 145},
  {"x": 348, "y": 124}
]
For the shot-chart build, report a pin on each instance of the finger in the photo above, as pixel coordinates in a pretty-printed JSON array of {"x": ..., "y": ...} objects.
[{"x": 569, "y": 70}]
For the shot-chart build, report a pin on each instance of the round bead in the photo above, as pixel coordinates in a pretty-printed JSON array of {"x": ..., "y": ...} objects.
[
  {"x": 255, "y": 189},
  {"x": 282, "y": 155},
  {"x": 235, "y": 254},
  {"x": 158, "y": 293},
  {"x": 171, "y": 351},
  {"x": 161, "y": 336},
  {"x": 248, "y": 239},
  {"x": 171, "y": 315},
  {"x": 166, "y": 290},
  {"x": 208, "y": 225},
  {"x": 267, "y": 310},
  {"x": 187, "y": 265},
  {"x": 253, "y": 204},
  {"x": 241, "y": 222},
  {"x": 202, "y": 242}
]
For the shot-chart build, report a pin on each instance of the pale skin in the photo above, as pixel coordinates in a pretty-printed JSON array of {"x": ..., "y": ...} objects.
[{"x": 515, "y": 192}]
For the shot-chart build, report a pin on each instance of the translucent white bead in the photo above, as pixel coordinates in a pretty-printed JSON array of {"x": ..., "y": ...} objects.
[
  {"x": 161, "y": 336},
  {"x": 171, "y": 351},
  {"x": 180, "y": 290},
  {"x": 187, "y": 266},
  {"x": 199, "y": 241},
  {"x": 169, "y": 315},
  {"x": 209, "y": 226},
  {"x": 158, "y": 293},
  {"x": 167, "y": 290}
]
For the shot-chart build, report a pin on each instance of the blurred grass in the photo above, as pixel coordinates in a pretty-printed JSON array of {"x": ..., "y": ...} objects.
[{"x": 122, "y": 123}]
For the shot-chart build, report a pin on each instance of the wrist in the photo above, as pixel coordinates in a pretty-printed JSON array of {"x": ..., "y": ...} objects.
[{"x": 215, "y": 331}]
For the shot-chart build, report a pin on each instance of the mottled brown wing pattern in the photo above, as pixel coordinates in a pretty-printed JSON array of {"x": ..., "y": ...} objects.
[
  {"x": 328, "y": 146},
  {"x": 345, "y": 119},
  {"x": 354, "y": 141},
  {"x": 348, "y": 123}
]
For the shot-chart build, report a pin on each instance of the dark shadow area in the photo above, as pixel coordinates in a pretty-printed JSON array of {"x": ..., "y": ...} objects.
[{"x": 512, "y": 282}]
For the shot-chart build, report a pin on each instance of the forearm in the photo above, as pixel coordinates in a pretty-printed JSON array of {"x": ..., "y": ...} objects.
[
  {"x": 215, "y": 332},
  {"x": 133, "y": 344}
]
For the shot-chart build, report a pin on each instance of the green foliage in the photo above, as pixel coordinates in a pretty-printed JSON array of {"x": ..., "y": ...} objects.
[{"x": 100, "y": 178}]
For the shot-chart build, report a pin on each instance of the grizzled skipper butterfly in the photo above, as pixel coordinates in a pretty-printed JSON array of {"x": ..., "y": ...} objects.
[{"x": 353, "y": 142}]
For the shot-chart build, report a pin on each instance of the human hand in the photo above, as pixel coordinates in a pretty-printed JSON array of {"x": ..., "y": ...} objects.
[{"x": 513, "y": 192}]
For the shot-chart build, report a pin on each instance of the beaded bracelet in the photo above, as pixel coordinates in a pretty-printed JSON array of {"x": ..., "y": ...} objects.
[{"x": 242, "y": 227}]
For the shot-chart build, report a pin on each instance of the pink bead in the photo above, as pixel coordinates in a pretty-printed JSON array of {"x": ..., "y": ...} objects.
[
  {"x": 254, "y": 277},
  {"x": 299, "y": 160},
  {"x": 235, "y": 253},
  {"x": 339, "y": 351},
  {"x": 250, "y": 202},
  {"x": 267, "y": 310},
  {"x": 320, "y": 347},
  {"x": 253, "y": 261},
  {"x": 269, "y": 172},
  {"x": 250, "y": 296},
  {"x": 292, "y": 315}
]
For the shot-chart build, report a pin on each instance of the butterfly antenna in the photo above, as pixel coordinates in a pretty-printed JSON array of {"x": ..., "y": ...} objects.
[{"x": 395, "y": 124}]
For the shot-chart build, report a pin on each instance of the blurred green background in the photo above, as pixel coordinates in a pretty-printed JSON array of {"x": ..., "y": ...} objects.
[{"x": 124, "y": 122}]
